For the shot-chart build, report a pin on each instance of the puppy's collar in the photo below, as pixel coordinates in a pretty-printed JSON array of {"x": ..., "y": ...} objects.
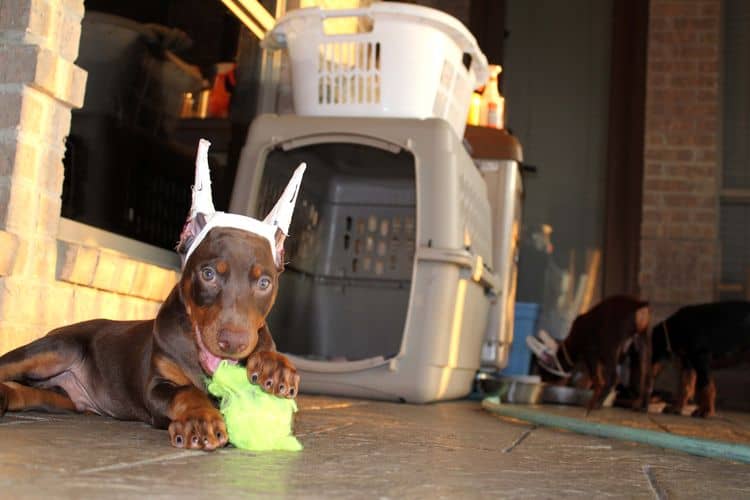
[{"x": 566, "y": 355}]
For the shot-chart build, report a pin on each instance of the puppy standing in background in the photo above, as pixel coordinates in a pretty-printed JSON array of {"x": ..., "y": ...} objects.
[
  {"x": 600, "y": 338},
  {"x": 695, "y": 335}
]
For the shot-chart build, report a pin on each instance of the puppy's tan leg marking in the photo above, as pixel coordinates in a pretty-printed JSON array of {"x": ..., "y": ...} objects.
[{"x": 21, "y": 397}]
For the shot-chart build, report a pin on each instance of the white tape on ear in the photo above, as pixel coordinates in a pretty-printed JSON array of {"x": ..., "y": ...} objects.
[
  {"x": 203, "y": 201},
  {"x": 281, "y": 214}
]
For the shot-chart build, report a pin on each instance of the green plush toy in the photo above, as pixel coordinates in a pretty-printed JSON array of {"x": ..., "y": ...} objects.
[{"x": 255, "y": 420}]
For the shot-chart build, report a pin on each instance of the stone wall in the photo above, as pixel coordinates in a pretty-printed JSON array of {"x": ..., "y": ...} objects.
[{"x": 39, "y": 85}]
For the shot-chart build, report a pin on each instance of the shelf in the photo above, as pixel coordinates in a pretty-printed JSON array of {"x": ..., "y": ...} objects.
[{"x": 492, "y": 143}]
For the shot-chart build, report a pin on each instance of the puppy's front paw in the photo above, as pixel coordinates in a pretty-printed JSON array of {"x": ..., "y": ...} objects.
[
  {"x": 198, "y": 429},
  {"x": 702, "y": 413},
  {"x": 594, "y": 403},
  {"x": 274, "y": 373},
  {"x": 638, "y": 404}
]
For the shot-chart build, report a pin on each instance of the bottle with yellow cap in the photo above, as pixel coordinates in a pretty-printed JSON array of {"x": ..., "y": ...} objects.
[
  {"x": 475, "y": 109},
  {"x": 493, "y": 103}
]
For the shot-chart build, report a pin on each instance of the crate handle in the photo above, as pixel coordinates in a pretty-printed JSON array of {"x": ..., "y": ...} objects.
[{"x": 308, "y": 365}]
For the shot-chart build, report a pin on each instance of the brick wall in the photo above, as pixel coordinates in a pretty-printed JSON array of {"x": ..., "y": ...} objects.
[
  {"x": 679, "y": 246},
  {"x": 39, "y": 85}
]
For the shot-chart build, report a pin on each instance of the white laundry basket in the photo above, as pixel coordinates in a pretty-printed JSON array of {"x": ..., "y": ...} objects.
[{"x": 408, "y": 62}]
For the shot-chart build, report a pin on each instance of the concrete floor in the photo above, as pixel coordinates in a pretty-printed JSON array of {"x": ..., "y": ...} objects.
[{"x": 365, "y": 449}]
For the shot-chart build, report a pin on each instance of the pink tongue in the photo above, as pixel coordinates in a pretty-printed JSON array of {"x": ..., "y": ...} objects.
[{"x": 209, "y": 362}]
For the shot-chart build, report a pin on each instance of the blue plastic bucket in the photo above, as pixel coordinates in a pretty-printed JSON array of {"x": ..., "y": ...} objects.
[{"x": 524, "y": 324}]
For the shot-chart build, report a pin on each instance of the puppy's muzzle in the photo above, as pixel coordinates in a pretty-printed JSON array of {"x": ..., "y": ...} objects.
[{"x": 232, "y": 341}]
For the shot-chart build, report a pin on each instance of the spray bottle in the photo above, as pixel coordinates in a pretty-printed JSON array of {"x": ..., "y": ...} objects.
[{"x": 493, "y": 104}]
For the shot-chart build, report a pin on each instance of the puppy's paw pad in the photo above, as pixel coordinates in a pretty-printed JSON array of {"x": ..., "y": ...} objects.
[
  {"x": 702, "y": 413},
  {"x": 274, "y": 373},
  {"x": 200, "y": 429}
]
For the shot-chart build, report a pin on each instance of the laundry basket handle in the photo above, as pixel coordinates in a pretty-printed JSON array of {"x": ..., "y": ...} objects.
[
  {"x": 443, "y": 22},
  {"x": 332, "y": 13},
  {"x": 316, "y": 15}
]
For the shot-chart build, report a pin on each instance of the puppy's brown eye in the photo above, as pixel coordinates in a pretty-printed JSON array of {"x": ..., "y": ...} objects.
[
  {"x": 208, "y": 274},
  {"x": 264, "y": 282}
]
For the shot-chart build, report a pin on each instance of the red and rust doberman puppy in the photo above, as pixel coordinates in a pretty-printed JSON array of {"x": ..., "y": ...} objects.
[
  {"x": 601, "y": 337},
  {"x": 154, "y": 370}
]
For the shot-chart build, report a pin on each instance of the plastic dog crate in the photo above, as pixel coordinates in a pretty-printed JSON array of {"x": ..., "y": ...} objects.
[{"x": 386, "y": 293}]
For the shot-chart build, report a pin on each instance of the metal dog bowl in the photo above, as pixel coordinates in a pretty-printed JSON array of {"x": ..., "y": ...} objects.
[
  {"x": 562, "y": 395},
  {"x": 521, "y": 389}
]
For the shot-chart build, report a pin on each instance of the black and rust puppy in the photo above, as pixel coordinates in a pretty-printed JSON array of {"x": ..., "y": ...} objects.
[
  {"x": 600, "y": 338},
  {"x": 154, "y": 370},
  {"x": 696, "y": 335}
]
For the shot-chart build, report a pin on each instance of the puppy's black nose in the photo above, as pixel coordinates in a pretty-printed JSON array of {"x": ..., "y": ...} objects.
[{"x": 231, "y": 341}]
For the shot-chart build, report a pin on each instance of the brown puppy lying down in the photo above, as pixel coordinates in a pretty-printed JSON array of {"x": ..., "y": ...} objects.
[{"x": 154, "y": 370}]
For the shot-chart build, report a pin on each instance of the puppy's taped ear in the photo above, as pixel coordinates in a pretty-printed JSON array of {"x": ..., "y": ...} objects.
[
  {"x": 190, "y": 230},
  {"x": 280, "y": 239},
  {"x": 280, "y": 215},
  {"x": 202, "y": 205},
  {"x": 202, "y": 197}
]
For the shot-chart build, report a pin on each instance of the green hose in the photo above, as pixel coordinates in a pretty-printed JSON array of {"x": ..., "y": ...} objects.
[{"x": 695, "y": 446}]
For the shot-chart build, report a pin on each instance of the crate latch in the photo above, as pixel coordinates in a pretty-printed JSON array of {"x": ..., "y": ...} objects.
[
  {"x": 476, "y": 274},
  {"x": 465, "y": 259}
]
